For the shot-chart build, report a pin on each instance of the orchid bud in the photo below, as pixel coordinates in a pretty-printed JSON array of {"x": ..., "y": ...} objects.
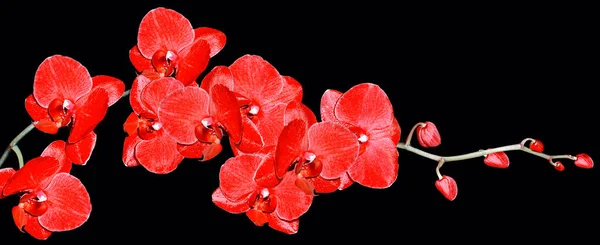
[
  {"x": 497, "y": 160},
  {"x": 447, "y": 186},
  {"x": 584, "y": 161},
  {"x": 559, "y": 166},
  {"x": 428, "y": 135},
  {"x": 536, "y": 146}
]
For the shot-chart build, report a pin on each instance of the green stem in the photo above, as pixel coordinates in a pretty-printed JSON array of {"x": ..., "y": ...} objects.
[
  {"x": 126, "y": 93},
  {"x": 13, "y": 146},
  {"x": 412, "y": 131},
  {"x": 19, "y": 155},
  {"x": 482, "y": 153}
]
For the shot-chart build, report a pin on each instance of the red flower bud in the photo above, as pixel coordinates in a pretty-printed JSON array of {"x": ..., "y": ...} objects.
[
  {"x": 536, "y": 145},
  {"x": 584, "y": 161},
  {"x": 559, "y": 166},
  {"x": 428, "y": 135},
  {"x": 447, "y": 186},
  {"x": 497, "y": 160}
]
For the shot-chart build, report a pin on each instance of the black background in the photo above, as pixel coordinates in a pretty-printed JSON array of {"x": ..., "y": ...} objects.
[{"x": 486, "y": 75}]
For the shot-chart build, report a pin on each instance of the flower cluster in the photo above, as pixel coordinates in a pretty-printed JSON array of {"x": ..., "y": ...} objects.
[
  {"x": 283, "y": 154},
  {"x": 64, "y": 95}
]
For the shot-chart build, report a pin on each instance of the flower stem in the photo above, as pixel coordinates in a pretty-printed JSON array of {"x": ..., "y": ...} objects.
[
  {"x": 13, "y": 146},
  {"x": 481, "y": 153},
  {"x": 412, "y": 131},
  {"x": 126, "y": 93},
  {"x": 437, "y": 169},
  {"x": 19, "y": 155}
]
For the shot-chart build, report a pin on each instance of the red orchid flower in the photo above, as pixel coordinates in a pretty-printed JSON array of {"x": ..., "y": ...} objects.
[
  {"x": 320, "y": 153},
  {"x": 51, "y": 200},
  {"x": 367, "y": 111},
  {"x": 168, "y": 45},
  {"x": 264, "y": 200},
  {"x": 147, "y": 144},
  {"x": 64, "y": 93},
  {"x": 262, "y": 95},
  {"x": 197, "y": 118},
  {"x": 292, "y": 93}
]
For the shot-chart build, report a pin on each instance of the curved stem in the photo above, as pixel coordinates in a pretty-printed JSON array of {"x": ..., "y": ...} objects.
[
  {"x": 126, "y": 93},
  {"x": 412, "y": 131},
  {"x": 437, "y": 169},
  {"x": 13, "y": 145},
  {"x": 19, "y": 155},
  {"x": 481, "y": 153}
]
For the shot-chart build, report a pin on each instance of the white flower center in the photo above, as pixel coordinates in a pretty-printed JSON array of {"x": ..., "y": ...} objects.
[{"x": 363, "y": 138}]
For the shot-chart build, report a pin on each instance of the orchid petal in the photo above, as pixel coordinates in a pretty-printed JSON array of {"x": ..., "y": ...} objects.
[
  {"x": 129, "y": 145},
  {"x": 227, "y": 111},
  {"x": 287, "y": 227},
  {"x": 291, "y": 91},
  {"x": 270, "y": 123},
  {"x": 194, "y": 60},
  {"x": 69, "y": 204},
  {"x": 297, "y": 110},
  {"x": 345, "y": 182},
  {"x": 138, "y": 61},
  {"x": 335, "y": 146},
  {"x": 236, "y": 176},
  {"x": 135, "y": 95},
  {"x": 57, "y": 149},
  {"x": 325, "y": 186},
  {"x": 113, "y": 86},
  {"x": 46, "y": 125},
  {"x": 251, "y": 140},
  {"x": 292, "y": 202},
  {"x": 5, "y": 175},
  {"x": 183, "y": 110},
  {"x": 164, "y": 28},
  {"x": 31, "y": 225},
  {"x": 290, "y": 145},
  {"x": 60, "y": 77},
  {"x": 366, "y": 106},
  {"x": 34, "y": 110},
  {"x": 81, "y": 151},
  {"x": 158, "y": 155},
  {"x": 216, "y": 39},
  {"x": 194, "y": 151},
  {"x": 218, "y": 75},
  {"x": 33, "y": 175},
  {"x": 89, "y": 114},
  {"x": 232, "y": 207},
  {"x": 265, "y": 173},
  {"x": 377, "y": 166},
  {"x": 328, "y": 102},
  {"x": 157, "y": 90},
  {"x": 257, "y": 217},
  {"x": 256, "y": 79},
  {"x": 131, "y": 124}
]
